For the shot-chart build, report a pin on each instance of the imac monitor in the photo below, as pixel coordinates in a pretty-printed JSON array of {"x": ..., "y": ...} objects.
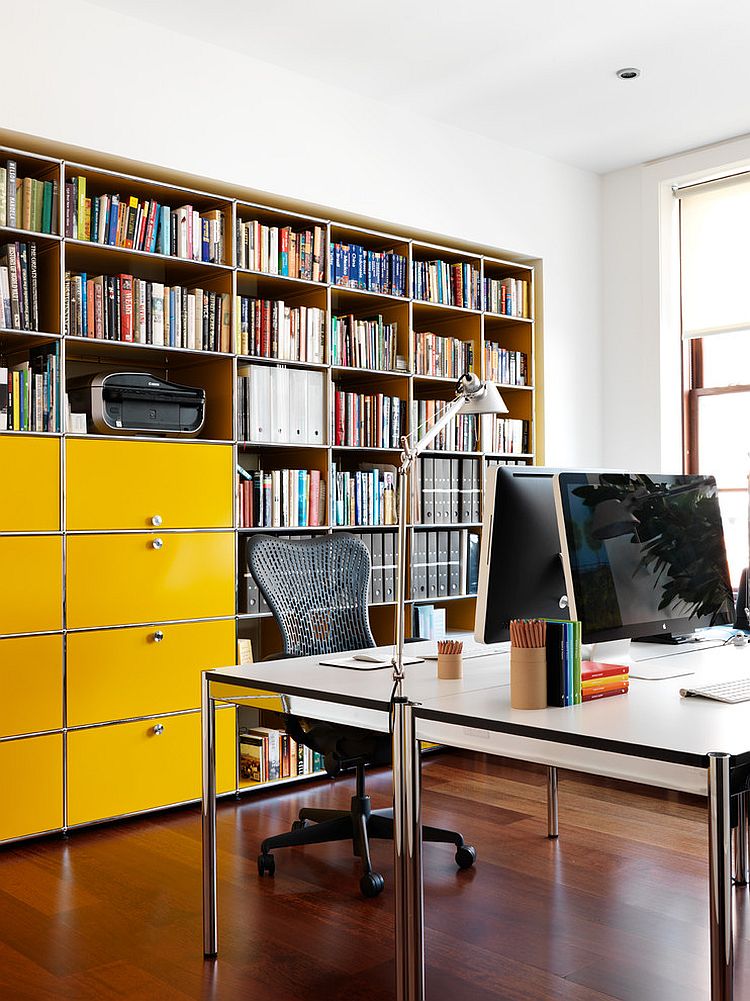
[
  {"x": 643, "y": 555},
  {"x": 520, "y": 571}
]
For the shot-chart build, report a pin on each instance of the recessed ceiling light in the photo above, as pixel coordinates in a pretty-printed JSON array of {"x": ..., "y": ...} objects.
[{"x": 628, "y": 73}]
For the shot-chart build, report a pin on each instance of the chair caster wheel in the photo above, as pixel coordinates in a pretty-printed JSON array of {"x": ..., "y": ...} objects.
[
  {"x": 371, "y": 884},
  {"x": 299, "y": 825},
  {"x": 466, "y": 856},
  {"x": 266, "y": 864}
]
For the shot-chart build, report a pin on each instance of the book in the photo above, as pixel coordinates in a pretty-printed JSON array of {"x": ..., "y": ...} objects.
[
  {"x": 461, "y": 435},
  {"x": 281, "y": 498},
  {"x": 510, "y": 368},
  {"x": 19, "y": 286},
  {"x": 509, "y": 435},
  {"x": 364, "y": 496},
  {"x": 506, "y": 296},
  {"x": 592, "y": 670}
]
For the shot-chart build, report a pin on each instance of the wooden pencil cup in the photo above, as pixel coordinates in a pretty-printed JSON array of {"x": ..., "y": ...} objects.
[
  {"x": 450, "y": 666},
  {"x": 528, "y": 677}
]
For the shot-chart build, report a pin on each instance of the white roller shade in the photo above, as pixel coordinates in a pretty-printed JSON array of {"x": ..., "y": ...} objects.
[{"x": 715, "y": 257}]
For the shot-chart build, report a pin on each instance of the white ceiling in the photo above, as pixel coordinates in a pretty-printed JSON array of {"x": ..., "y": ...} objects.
[{"x": 536, "y": 74}]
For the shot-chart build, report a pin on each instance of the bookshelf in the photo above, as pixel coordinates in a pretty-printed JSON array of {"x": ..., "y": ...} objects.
[{"x": 133, "y": 545}]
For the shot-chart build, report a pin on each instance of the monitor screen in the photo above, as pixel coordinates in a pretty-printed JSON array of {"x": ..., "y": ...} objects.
[
  {"x": 520, "y": 572},
  {"x": 644, "y": 554}
]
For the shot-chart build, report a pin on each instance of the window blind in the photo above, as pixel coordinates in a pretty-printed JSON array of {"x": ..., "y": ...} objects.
[{"x": 715, "y": 257}]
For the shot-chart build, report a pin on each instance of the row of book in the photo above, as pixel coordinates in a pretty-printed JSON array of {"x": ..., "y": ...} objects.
[
  {"x": 510, "y": 434},
  {"x": 563, "y": 654},
  {"x": 267, "y": 755},
  {"x": 281, "y": 405},
  {"x": 368, "y": 420},
  {"x": 26, "y": 202},
  {"x": 281, "y": 498},
  {"x": 382, "y": 272},
  {"x": 19, "y": 287},
  {"x": 30, "y": 393},
  {"x": 428, "y": 622},
  {"x": 383, "y": 548},
  {"x": 126, "y": 308},
  {"x": 274, "y": 329},
  {"x": 281, "y": 250},
  {"x": 364, "y": 496},
  {"x": 436, "y": 355},
  {"x": 505, "y": 366},
  {"x": 146, "y": 225},
  {"x": 445, "y": 564},
  {"x": 447, "y": 491},
  {"x": 507, "y": 296},
  {"x": 461, "y": 435},
  {"x": 364, "y": 343},
  {"x": 448, "y": 284}
]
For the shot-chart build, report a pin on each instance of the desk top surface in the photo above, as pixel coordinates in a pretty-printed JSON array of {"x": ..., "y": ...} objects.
[{"x": 652, "y": 721}]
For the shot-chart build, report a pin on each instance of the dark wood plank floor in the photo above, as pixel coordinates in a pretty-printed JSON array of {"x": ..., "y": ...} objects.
[{"x": 617, "y": 909}]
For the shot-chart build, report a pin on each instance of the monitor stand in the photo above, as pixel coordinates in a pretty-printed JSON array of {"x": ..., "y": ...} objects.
[{"x": 659, "y": 666}]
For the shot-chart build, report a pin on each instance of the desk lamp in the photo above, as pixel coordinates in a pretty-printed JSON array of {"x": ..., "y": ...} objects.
[{"x": 472, "y": 397}]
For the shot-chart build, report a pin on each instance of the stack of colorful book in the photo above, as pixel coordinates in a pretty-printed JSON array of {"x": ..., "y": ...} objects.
[
  {"x": 599, "y": 681},
  {"x": 563, "y": 642}
]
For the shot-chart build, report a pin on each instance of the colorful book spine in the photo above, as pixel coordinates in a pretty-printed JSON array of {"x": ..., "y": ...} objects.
[
  {"x": 446, "y": 284},
  {"x": 281, "y": 498},
  {"x": 368, "y": 420},
  {"x": 444, "y": 357},
  {"x": 369, "y": 342},
  {"x": 281, "y": 250},
  {"x": 275, "y": 329},
  {"x": 380, "y": 272}
]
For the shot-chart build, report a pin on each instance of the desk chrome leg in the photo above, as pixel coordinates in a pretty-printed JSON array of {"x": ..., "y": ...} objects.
[
  {"x": 208, "y": 817},
  {"x": 741, "y": 860},
  {"x": 720, "y": 878},
  {"x": 552, "y": 824},
  {"x": 407, "y": 856}
]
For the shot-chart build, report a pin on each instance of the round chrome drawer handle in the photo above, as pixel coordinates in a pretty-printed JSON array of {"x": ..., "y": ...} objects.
[
  {"x": 157, "y": 543},
  {"x": 158, "y": 636},
  {"x": 158, "y": 729},
  {"x": 156, "y": 520}
]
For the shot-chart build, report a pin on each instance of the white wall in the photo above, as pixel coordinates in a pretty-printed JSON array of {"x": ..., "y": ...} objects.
[
  {"x": 111, "y": 83},
  {"x": 641, "y": 347}
]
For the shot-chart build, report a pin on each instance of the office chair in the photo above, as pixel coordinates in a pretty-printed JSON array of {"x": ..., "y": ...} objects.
[{"x": 317, "y": 591}]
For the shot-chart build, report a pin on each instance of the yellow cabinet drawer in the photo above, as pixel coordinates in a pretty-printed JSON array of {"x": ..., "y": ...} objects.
[
  {"x": 123, "y": 673},
  {"x": 128, "y": 767},
  {"x": 137, "y": 484},
  {"x": 31, "y": 684},
  {"x": 31, "y": 775},
  {"x": 114, "y": 579},
  {"x": 30, "y": 498},
  {"x": 30, "y": 584}
]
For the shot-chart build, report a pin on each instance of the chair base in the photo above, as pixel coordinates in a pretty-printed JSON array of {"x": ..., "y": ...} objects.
[{"x": 359, "y": 825}]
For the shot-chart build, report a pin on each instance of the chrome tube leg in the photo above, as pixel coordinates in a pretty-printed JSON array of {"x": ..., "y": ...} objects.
[
  {"x": 720, "y": 878},
  {"x": 407, "y": 854},
  {"x": 741, "y": 859},
  {"x": 552, "y": 793},
  {"x": 208, "y": 817}
]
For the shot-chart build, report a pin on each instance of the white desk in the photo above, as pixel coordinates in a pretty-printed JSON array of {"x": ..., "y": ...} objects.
[{"x": 650, "y": 735}]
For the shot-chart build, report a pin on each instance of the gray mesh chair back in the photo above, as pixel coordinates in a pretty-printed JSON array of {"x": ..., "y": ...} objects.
[{"x": 316, "y": 589}]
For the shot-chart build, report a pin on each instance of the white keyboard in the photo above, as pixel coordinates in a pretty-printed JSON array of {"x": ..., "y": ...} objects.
[{"x": 722, "y": 691}]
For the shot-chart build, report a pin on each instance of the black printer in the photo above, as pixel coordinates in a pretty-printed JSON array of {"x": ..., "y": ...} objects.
[{"x": 137, "y": 402}]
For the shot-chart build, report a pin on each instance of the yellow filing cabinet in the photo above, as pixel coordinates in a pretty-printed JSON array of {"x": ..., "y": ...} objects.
[
  {"x": 118, "y": 674},
  {"x": 140, "y": 484},
  {"x": 114, "y": 579},
  {"x": 30, "y": 583},
  {"x": 31, "y": 682},
  {"x": 129, "y": 767},
  {"x": 32, "y": 772},
  {"x": 30, "y": 499}
]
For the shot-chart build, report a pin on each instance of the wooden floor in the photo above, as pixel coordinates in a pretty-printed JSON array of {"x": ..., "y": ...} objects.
[{"x": 616, "y": 909}]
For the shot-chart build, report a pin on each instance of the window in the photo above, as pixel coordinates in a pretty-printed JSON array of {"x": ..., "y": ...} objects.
[{"x": 715, "y": 288}]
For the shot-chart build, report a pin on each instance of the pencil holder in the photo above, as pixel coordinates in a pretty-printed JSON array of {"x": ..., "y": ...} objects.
[
  {"x": 450, "y": 666},
  {"x": 528, "y": 677}
]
